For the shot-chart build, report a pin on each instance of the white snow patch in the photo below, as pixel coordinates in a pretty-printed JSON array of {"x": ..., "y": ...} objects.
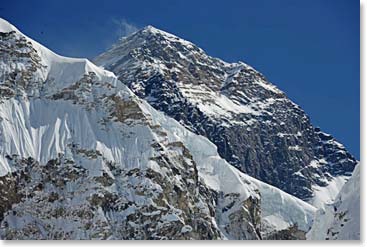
[
  {"x": 327, "y": 194},
  {"x": 186, "y": 229},
  {"x": 6, "y": 27},
  {"x": 295, "y": 148},
  {"x": 340, "y": 220}
]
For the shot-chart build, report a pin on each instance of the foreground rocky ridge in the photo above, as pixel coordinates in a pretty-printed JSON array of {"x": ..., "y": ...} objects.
[
  {"x": 254, "y": 125},
  {"x": 81, "y": 157}
]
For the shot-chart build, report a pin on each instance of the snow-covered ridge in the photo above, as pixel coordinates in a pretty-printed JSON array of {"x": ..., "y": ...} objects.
[
  {"x": 62, "y": 70},
  {"x": 168, "y": 41},
  {"x": 6, "y": 27},
  {"x": 121, "y": 134},
  {"x": 158, "y": 53},
  {"x": 169, "y": 36}
]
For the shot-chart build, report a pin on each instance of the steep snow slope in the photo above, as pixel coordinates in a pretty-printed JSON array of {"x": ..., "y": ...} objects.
[
  {"x": 81, "y": 157},
  {"x": 341, "y": 219},
  {"x": 255, "y": 126},
  {"x": 278, "y": 208}
]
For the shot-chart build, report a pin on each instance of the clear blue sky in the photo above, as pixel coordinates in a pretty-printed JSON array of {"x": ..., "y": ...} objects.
[{"x": 309, "y": 49}]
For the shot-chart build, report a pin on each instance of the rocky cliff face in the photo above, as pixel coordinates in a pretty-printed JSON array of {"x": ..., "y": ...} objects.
[
  {"x": 255, "y": 127},
  {"x": 82, "y": 157}
]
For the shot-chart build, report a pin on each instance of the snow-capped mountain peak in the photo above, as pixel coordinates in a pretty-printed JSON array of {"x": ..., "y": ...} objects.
[
  {"x": 82, "y": 157},
  {"x": 255, "y": 127}
]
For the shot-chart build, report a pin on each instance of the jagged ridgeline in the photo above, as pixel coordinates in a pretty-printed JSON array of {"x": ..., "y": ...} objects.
[
  {"x": 82, "y": 156},
  {"x": 255, "y": 127}
]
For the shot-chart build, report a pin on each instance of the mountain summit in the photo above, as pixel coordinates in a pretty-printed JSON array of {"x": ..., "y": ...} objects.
[
  {"x": 255, "y": 127},
  {"x": 163, "y": 151},
  {"x": 82, "y": 157}
]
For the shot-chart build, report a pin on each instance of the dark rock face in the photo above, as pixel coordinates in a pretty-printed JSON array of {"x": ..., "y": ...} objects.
[
  {"x": 15, "y": 48},
  {"x": 254, "y": 125}
]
